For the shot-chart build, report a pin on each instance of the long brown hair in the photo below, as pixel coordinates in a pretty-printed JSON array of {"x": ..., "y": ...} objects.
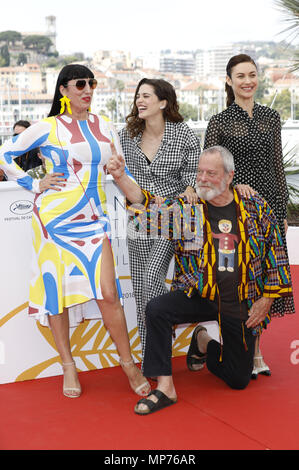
[
  {"x": 233, "y": 61},
  {"x": 164, "y": 91}
]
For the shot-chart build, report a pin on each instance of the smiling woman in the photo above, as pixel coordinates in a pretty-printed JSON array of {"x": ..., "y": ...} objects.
[
  {"x": 252, "y": 133},
  {"x": 241, "y": 84},
  {"x": 73, "y": 261},
  {"x": 162, "y": 154},
  {"x": 80, "y": 93},
  {"x": 76, "y": 83}
]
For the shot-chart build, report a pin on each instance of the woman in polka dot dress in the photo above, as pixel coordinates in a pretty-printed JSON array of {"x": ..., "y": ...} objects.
[{"x": 252, "y": 133}]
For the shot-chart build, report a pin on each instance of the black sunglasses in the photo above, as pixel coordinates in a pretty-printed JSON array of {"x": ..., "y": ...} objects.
[{"x": 81, "y": 84}]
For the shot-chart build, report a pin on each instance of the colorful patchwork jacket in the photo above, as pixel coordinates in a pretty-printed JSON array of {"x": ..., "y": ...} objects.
[{"x": 263, "y": 265}]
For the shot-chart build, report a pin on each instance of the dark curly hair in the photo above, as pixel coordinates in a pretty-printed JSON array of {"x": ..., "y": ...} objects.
[
  {"x": 164, "y": 91},
  {"x": 67, "y": 73}
]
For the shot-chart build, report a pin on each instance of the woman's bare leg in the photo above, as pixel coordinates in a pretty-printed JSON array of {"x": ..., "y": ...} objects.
[
  {"x": 59, "y": 325},
  {"x": 115, "y": 320},
  {"x": 259, "y": 365}
]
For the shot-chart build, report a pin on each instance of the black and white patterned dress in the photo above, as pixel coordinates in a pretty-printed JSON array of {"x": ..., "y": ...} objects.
[
  {"x": 173, "y": 168},
  {"x": 256, "y": 146}
]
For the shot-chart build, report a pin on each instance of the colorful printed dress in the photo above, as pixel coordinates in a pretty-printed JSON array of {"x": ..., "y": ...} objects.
[{"x": 68, "y": 226}]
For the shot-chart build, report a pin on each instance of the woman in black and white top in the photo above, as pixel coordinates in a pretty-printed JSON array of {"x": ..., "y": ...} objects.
[
  {"x": 252, "y": 133},
  {"x": 162, "y": 154}
]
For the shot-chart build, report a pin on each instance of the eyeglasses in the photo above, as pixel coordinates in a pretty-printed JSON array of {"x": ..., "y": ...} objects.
[{"x": 81, "y": 84}]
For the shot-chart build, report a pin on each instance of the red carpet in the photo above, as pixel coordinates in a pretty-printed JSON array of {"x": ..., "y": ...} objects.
[{"x": 208, "y": 415}]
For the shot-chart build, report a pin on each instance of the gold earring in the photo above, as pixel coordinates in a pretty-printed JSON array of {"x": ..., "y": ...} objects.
[{"x": 65, "y": 103}]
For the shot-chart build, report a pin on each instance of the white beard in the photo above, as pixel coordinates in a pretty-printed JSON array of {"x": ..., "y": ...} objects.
[{"x": 210, "y": 193}]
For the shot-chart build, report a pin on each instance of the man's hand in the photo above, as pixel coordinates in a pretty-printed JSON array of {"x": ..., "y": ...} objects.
[
  {"x": 159, "y": 200},
  {"x": 190, "y": 195},
  {"x": 258, "y": 311}
]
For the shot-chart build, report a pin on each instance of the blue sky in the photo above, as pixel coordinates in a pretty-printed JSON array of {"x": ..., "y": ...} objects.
[{"x": 147, "y": 26}]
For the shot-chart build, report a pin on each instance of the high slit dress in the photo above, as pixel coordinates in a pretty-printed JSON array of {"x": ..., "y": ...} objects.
[{"x": 68, "y": 226}]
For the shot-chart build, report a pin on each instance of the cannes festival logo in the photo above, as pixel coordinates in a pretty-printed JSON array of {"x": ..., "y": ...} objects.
[{"x": 21, "y": 207}]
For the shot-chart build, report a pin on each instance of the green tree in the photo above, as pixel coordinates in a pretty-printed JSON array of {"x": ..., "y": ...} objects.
[
  {"x": 111, "y": 106},
  {"x": 262, "y": 90},
  {"x": 22, "y": 59},
  {"x": 188, "y": 111},
  {"x": 4, "y": 54},
  {"x": 103, "y": 112},
  {"x": 10, "y": 37},
  {"x": 119, "y": 85},
  {"x": 40, "y": 44},
  {"x": 282, "y": 103}
]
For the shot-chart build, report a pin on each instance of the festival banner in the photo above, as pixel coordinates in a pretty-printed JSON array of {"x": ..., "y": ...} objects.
[{"x": 27, "y": 349}]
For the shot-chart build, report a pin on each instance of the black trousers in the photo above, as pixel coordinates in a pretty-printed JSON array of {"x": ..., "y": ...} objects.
[{"x": 175, "y": 308}]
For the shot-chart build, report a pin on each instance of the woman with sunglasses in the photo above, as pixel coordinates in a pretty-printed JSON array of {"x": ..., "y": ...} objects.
[
  {"x": 162, "y": 153},
  {"x": 71, "y": 229}
]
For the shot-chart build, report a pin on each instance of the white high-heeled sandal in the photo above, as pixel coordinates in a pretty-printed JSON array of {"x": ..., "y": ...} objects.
[
  {"x": 70, "y": 392},
  {"x": 137, "y": 389},
  {"x": 262, "y": 368}
]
